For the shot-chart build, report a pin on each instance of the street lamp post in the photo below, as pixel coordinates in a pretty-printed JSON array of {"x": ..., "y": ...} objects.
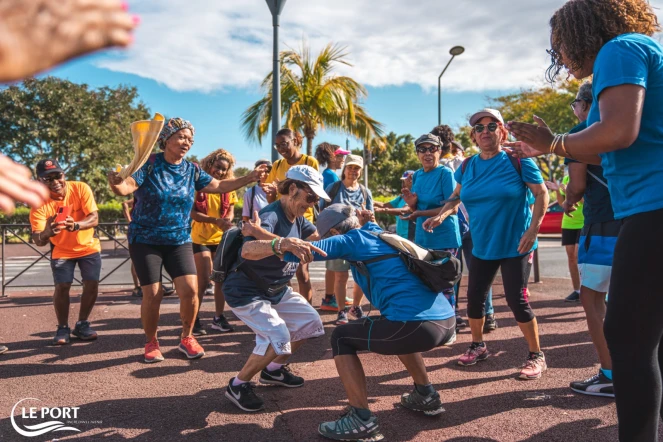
[
  {"x": 456, "y": 50},
  {"x": 275, "y": 7}
]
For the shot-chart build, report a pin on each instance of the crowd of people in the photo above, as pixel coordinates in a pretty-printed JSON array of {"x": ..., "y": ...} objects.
[{"x": 295, "y": 214}]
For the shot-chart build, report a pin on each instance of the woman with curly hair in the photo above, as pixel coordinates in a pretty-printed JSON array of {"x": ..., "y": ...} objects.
[
  {"x": 212, "y": 214},
  {"x": 448, "y": 151},
  {"x": 611, "y": 39}
]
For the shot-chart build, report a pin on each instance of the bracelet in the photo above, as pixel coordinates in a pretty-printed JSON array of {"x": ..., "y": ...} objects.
[
  {"x": 273, "y": 243},
  {"x": 564, "y": 147},
  {"x": 278, "y": 246},
  {"x": 554, "y": 143}
]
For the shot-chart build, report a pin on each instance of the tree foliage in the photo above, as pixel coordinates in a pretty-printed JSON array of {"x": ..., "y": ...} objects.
[
  {"x": 86, "y": 130},
  {"x": 390, "y": 158}
]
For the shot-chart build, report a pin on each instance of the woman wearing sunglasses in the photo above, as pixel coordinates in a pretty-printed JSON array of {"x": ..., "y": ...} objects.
[
  {"x": 493, "y": 188},
  {"x": 431, "y": 185}
]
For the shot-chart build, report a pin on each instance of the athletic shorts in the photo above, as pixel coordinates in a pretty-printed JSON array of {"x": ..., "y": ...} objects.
[
  {"x": 337, "y": 265},
  {"x": 570, "y": 236},
  {"x": 595, "y": 252},
  {"x": 149, "y": 260},
  {"x": 199, "y": 248},
  {"x": 385, "y": 337},
  {"x": 63, "y": 269},
  {"x": 291, "y": 320}
]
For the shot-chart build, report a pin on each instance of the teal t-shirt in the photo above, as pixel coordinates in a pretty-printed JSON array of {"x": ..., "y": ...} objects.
[
  {"x": 432, "y": 188},
  {"x": 634, "y": 174},
  {"x": 402, "y": 226},
  {"x": 495, "y": 197}
]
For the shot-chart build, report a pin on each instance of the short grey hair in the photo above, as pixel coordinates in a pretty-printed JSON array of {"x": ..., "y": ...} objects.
[
  {"x": 349, "y": 223},
  {"x": 585, "y": 92}
]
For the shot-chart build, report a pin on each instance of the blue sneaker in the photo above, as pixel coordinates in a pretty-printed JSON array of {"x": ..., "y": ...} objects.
[
  {"x": 62, "y": 335},
  {"x": 329, "y": 305},
  {"x": 84, "y": 331}
]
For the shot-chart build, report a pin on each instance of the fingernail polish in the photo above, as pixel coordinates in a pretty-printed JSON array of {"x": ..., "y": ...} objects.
[
  {"x": 136, "y": 19},
  {"x": 124, "y": 6}
]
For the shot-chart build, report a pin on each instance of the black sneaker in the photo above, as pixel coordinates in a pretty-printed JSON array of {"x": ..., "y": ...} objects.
[
  {"x": 198, "y": 329},
  {"x": 62, "y": 335},
  {"x": 573, "y": 297},
  {"x": 137, "y": 292},
  {"x": 283, "y": 377},
  {"x": 460, "y": 322},
  {"x": 490, "y": 324},
  {"x": 221, "y": 324},
  {"x": 209, "y": 291},
  {"x": 84, "y": 331},
  {"x": 430, "y": 405},
  {"x": 3, "y": 349},
  {"x": 597, "y": 385},
  {"x": 244, "y": 397},
  {"x": 168, "y": 291},
  {"x": 352, "y": 427}
]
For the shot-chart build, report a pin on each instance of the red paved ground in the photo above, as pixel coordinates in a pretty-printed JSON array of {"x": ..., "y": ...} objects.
[{"x": 181, "y": 400}]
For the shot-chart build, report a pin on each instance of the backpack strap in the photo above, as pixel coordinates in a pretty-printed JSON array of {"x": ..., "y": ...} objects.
[
  {"x": 364, "y": 192},
  {"x": 597, "y": 178},
  {"x": 150, "y": 163},
  {"x": 464, "y": 164},
  {"x": 253, "y": 195},
  {"x": 515, "y": 162},
  {"x": 336, "y": 187},
  {"x": 196, "y": 175}
]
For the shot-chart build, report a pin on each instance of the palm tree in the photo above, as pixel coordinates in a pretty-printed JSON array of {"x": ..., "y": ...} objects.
[{"x": 313, "y": 98}]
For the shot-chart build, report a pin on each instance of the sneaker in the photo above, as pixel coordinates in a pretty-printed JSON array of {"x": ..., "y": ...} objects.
[
  {"x": 475, "y": 353},
  {"x": 342, "y": 317},
  {"x": 329, "y": 305},
  {"x": 3, "y": 349},
  {"x": 460, "y": 322},
  {"x": 137, "y": 292},
  {"x": 597, "y": 385},
  {"x": 209, "y": 291},
  {"x": 244, "y": 397},
  {"x": 351, "y": 427},
  {"x": 168, "y": 291},
  {"x": 573, "y": 297},
  {"x": 533, "y": 367},
  {"x": 153, "y": 352},
  {"x": 490, "y": 324},
  {"x": 451, "y": 340},
  {"x": 198, "y": 329},
  {"x": 84, "y": 331},
  {"x": 221, "y": 324},
  {"x": 191, "y": 348},
  {"x": 430, "y": 405},
  {"x": 62, "y": 335},
  {"x": 283, "y": 377},
  {"x": 349, "y": 301},
  {"x": 356, "y": 312}
]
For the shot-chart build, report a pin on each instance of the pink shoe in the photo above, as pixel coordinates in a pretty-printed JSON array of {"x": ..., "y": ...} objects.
[
  {"x": 152, "y": 352},
  {"x": 191, "y": 348},
  {"x": 475, "y": 353},
  {"x": 533, "y": 367}
]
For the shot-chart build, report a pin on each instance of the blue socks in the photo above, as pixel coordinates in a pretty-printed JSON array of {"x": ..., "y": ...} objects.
[{"x": 606, "y": 373}]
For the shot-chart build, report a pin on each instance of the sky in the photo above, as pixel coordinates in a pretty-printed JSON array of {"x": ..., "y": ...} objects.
[{"x": 204, "y": 60}]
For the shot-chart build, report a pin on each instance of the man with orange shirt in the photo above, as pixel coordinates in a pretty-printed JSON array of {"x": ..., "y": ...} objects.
[{"x": 72, "y": 242}]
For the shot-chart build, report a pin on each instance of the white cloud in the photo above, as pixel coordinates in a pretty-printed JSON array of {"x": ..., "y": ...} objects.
[{"x": 206, "y": 45}]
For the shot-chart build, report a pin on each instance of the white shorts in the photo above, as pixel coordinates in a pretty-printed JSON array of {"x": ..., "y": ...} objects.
[
  {"x": 595, "y": 276},
  {"x": 293, "y": 319}
]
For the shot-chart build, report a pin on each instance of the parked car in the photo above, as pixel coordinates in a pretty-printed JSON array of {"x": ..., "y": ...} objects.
[{"x": 552, "y": 221}]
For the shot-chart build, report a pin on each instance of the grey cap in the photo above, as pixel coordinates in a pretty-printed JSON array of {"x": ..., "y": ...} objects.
[
  {"x": 331, "y": 216},
  {"x": 430, "y": 139},
  {"x": 309, "y": 176},
  {"x": 487, "y": 112}
]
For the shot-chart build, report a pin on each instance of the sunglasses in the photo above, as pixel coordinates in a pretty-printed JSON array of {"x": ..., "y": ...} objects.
[
  {"x": 310, "y": 197},
  {"x": 431, "y": 149},
  {"x": 492, "y": 127},
  {"x": 576, "y": 101},
  {"x": 52, "y": 177}
]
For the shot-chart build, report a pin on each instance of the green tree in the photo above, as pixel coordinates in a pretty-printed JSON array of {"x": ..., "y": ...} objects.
[
  {"x": 313, "y": 98},
  {"x": 390, "y": 158},
  {"x": 86, "y": 130}
]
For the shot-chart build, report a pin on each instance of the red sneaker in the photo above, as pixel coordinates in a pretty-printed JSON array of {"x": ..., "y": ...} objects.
[
  {"x": 475, "y": 353},
  {"x": 533, "y": 367},
  {"x": 191, "y": 348},
  {"x": 152, "y": 352}
]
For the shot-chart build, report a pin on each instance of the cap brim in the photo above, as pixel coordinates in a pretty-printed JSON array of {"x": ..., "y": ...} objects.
[
  {"x": 49, "y": 171},
  {"x": 318, "y": 190},
  {"x": 352, "y": 163},
  {"x": 342, "y": 152},
  {"x": 479, "y": 115}
]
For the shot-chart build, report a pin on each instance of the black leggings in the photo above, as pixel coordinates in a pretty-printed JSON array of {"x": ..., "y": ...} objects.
[
  {"x": 385, "y": 337},
  {"x": 634, "y": 325},
  {"x": 515, "y": 273}
]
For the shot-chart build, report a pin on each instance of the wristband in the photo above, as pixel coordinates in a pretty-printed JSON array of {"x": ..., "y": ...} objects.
[{"x": 273, "y": 243}]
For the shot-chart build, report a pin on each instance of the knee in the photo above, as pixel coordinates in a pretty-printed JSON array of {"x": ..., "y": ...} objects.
[
  {"x": 187, "y": 292},
  {"x": 521, "y": 309},
  {"x": 62, "y": 289},
  {"x": 475, "y": 306}
]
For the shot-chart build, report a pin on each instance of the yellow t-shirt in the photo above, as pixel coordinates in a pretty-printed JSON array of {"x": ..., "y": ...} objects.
[
  {"x": 69, "y": 245},
  {"x": 208, "y": 234},
  {"x": 281, "y": 167}
]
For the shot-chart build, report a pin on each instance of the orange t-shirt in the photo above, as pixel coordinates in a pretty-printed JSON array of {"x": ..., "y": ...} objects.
[{"x": 69, "y": 245}]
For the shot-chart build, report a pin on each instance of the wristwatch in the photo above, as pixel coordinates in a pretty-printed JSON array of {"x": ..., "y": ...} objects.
[{"x": 77, "y": 227}]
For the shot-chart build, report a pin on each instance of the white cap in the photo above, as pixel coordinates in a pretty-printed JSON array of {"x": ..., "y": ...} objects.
[
  {"x": 353, "y": 159},
  {"x": 487, "y": 112},
  {"x": 310, "y": 177}
]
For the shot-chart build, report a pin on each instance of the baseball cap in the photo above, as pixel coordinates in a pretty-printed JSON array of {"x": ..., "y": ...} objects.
[
  {"x": 263, "y": 161},
  {"x": 407, "y": 174},
  {"x": 331, "y": 216},
  {"x": 48, "y": 165},
  {"x": 309, "y": 176},
  {"x": 487, "y": 112},
  {"x": 354, "y": 159},
  {"x": 340, "y": 151},
  {"x": 428, "y": 138},
  {"x": 458, "y": 145}
]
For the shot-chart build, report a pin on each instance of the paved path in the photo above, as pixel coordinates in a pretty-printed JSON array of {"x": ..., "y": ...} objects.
[{"x": 121, "y": 398}]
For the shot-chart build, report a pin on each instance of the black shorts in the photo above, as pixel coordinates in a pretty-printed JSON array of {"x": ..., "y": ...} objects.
[
  {"x": 150, "y": 259},
  {"x": 570, "y": 236},
  {"x": 385, "y": 337},
  {"x": 199, "y": 248}
]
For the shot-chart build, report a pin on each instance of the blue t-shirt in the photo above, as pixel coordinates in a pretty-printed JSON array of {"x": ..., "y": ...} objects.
[
  {"x": 395, "y": 291},
  {"x": 402, "y": 226},
  {"x": 239, "y": 289},
  {"x": 329, "y": 177},
  {"x": 634, "y": 174},
  {"x": 162, "y": 209},
  {"x": 354, "y": 198},
  {"x": 597, "y": 207},
  {"x": 495, "y": 197},
  {"x": 432, "y": 188}
]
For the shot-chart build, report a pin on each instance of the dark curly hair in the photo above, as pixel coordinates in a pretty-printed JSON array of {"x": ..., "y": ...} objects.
[
  {"x": 581, "y": 27},
  {"x": 324, "y": 152},
  {"x": 446, "y": 136}
]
